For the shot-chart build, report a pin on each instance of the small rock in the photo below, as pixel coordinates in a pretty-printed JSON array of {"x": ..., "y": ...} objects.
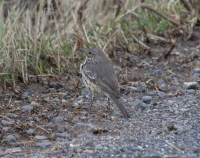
[
  {"x": 116, "y": 113},
  {"x": 82, "y": 126},
  {"x": 161, "y": 81},
  {"x": 116, "y": 151},
  {"x": 98, "y": 147},
  {"x": 191, "y": 91},
  {"x": 86, "y": 135},
  {"x": 163, "y": 88},
  {"x": 17, "y": 144},
  {"x": 51, "y": 85},
  {"x": 13, "y": 116},
  {"x": 30, "y": 132},
  {"x": 161, "y": 94},
  {"x": 147, "y": 99},
  {"x": 13, "y": 150},
  {"x": 144, "y": 63},
  {"x": 44, "y": 145},
  {"x": 85, "y": 91},
  {"x": 58, "y": 119},
  {"x": 196, "y": 150},
  {"x": 10, "y": 139},
  {"x": 56, "y": 99},
  {"x": 90, "y": 144},
  {"x": 170, "y": 102},
  {"x": 4, "y": 122},
  {"x": 190, "y": 85},
  {"x": 37, "y": 119},
  {"x": 156, "y": 73},
  {"x": 60, "y": 128},
  {"x": 180, "y": 129},
  {"x": 196, "y": 70},
  {"x": 33, "y": 103},
  {"x": 151, "y": 93},
  {"x": 60, "y": 135},
  {"x": 196, "y": 76},
  {"x": 27, "y": 93},
  {"x": 142, "y": 88},
  {"x": 27, "y": 108},
  {"x": 140, "y": 105},
  {"x": 6, "y": 129},
  {"x": 192, "y": 155},
  {"x": 133, "y": 89},
  {"x": 38, "y": 138},
  {"x": 150, "y": 83}
]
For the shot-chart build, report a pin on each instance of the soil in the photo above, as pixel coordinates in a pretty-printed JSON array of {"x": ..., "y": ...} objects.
[{"x": 52, "y": 119}]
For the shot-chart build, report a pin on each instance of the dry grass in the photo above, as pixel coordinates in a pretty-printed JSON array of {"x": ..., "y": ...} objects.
[{"x": 40, "y": 39}]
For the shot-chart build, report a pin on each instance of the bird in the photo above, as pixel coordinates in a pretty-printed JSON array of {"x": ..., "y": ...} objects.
[{"x": 99, "y": 77}]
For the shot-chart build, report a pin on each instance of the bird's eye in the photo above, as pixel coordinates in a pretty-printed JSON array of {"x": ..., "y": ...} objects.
[{"x": 90, "y": 53}]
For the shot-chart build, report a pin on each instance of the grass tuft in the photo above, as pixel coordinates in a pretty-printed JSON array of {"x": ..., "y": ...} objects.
[{"x": 40, "y": 37}]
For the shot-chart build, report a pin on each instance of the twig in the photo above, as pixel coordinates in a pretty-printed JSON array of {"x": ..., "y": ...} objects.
[
  {"x": 140, "y": 43},
  {"x": 41, "y": 128},
  {"x": 80, "y": 9},
  {"x": 158, "y": 38},
  {"x": 118, "y": 8},
  {"x": 13, "y": 69},
  {"x": 172, "y": 145},
  {"x": 109, "y": 40},
  {"x": 187, "y": 5},
  {"x": 167, "y": 54},
  {"x": 160, "y": 14},
  {"x": 6, "y": 118}
]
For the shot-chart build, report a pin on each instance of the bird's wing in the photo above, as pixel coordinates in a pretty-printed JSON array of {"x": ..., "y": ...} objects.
[{"x": 104, "y": 77}]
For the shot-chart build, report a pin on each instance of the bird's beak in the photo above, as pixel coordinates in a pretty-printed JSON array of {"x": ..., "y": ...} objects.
[{"x": 82, "y": 49}]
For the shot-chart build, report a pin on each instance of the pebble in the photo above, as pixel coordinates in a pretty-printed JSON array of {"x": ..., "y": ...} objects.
[
  {"x": 142, "y": 88},
  {"x": 13, "y": 150},
  {"x": 30, "y": 131},
  {"x": 56, "y": 100},
  {"x": 14, "y": 116},
  {"x": 156, "y": 73},
  {"x": 163, "y": 88},
  {"x": 6, "y": 129},
  {"x": 82, "y": 126},
  {"x": 191, "y": 91},
  {"x": 44, "y": 144},
  {"x": 10, "y": 139},
  {"x": 190, "y": 85},
  {"x": 98, "y": 147},
  {"x": 39, "y": 138},
  {"x": 60, "y": 135},
  {"x": 196, "y": 70},
  {"x": 133, "y": 89},
  {"x": 86, "y": 135},
  {"x": 196, "y": 76},
  {"x": 17, "y": 144},
  {"x": 27, "y": 108},
  {"x": 60, "y": 128},
  {"x": 140, "y": 105},
  {"x": 33, "y": 103},
  {"x": 147, "y": 99},
  {"x": 85, "y": 91},
  {"x": 170, "y": 102},
  {"x": 58, "y": 119}
]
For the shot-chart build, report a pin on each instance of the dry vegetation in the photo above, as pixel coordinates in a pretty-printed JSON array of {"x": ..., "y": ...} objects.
[{"x": 41, "y": 38}]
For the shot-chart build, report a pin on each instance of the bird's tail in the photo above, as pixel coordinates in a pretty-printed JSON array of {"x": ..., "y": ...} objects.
[{"x": 120, "y": 106}]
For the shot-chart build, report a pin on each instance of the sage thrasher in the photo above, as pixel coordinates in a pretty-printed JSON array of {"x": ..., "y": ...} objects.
[{"x": 98, "y": 76}]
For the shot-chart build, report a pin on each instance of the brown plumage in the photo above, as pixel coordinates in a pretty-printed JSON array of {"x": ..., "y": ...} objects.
[{"x": 99, "y": 77}]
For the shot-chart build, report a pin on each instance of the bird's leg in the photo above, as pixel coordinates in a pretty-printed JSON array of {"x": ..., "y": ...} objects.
[
  {"x": 109, "y": 103},
  {"x": 93, "y": 98}
]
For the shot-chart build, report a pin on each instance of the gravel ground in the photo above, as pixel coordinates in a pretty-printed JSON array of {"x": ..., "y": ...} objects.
[{"x": 162, "y": 97}]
